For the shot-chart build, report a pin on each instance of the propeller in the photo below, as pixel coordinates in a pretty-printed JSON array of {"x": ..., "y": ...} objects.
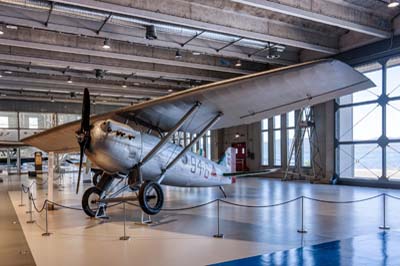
[{"x": 83, "y": 134}]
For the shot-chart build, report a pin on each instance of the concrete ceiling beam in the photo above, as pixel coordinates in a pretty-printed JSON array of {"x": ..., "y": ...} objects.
[
  {"x": 90, "y": 52},
  {"x": 321, "y": 17},
  {"x": 285, "y": 60},
  {"x": 275, "y": 32},
  {"x": 36, "y": 60}
]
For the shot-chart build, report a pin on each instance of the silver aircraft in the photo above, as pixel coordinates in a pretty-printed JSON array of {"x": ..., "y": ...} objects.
[{"x": 132, "y": 145}]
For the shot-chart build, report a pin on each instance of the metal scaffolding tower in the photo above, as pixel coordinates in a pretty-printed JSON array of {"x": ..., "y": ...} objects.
[{"x": 305, "y": 127}]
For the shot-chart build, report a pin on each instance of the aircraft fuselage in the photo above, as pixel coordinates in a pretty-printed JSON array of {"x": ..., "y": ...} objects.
[{"x": 116, "y": 148}]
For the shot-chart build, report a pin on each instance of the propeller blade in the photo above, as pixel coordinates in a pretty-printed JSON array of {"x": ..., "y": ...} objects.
[
  {"x": 85, "y": 121},
  {"x": 82, "y": 146},
  {"x": 84, "y": 132}
]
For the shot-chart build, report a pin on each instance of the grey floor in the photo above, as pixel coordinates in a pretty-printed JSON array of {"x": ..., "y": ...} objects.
[
  {"x": 14, "y": 250},
  {"x": 275, "y": 226}
]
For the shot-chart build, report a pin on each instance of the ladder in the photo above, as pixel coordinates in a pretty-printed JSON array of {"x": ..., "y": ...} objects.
[{"x": 305, "y": 127}]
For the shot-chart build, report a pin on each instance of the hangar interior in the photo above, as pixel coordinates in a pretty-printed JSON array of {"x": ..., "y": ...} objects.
[{"x": 131, "y": 52}]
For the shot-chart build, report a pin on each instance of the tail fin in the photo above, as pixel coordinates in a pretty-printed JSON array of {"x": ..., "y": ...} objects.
[{"x": 229, "y": 160}]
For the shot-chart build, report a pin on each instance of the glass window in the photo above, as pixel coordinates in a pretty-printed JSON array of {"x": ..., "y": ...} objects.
[
  {"x": 264, "y": 124},
  {"x": 291, "y": 150},
  {"x": 373, "y": 72},
  {"x": 359, "y": 160},
  {"x": 277, "y": 140},
  {"x": 208, "y": 145},
  {"x": 277, "y": 147},
  {"x": 393, "y": 81},
  {"x": 66, "y": 118},
  {"x": 264, "y": 148},
  {"x": 393, "y": 161},
  {"x": 33, "y": 123},
  {"x": 44, "y": 120},
  {"x": 290, "y": 119},
  {"x": 355, "y": 122},
  {"x": 8, "y": 120},
  {"x": 306, "y": 151},
  {"x": 4, "y": 122},
  {"x": 264, "y": 143},
  {"x": 277, "y": 122},
  {"x": 393, "y": 120}
]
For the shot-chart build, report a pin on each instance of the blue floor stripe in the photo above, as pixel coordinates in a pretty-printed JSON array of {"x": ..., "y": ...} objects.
[{"x": 377, "y": 249}]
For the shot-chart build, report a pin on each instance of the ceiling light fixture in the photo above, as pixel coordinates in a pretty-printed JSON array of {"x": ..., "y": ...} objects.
[
  {"x": 238, "y": 63},
  {"x": 106, "y": 44},
  {"x": 12, "y": 27},
  {"x": 393, "y": 3},
  {"x": 69, "y": 81},
  {"x": 8, "y": 72},
  {"x": 272, "y": 53},
  {"x": 52, "y": 99},
  {"x": 196, "y": 53},
  {"x": 178, "y": 54},
  {"x": 151, "y": 33},
  {"x": 1, "y": 30},
  {"x": 124, "y": 85},
  {"x": 170, "y": 90}
]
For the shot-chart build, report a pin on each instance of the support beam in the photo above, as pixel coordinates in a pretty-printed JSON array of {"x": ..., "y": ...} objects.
[
  {"x": 79, "y": 86},
  {"x": 128, "y": 57},
  {"x": 192, "y": 38},
  {"x": 103, "y": 24},
  {"x": 89, "y": 75},
  {"x": 49, "y": 15},
  {"x": 229, "y": 44},
  {"x": 113, "y": 69},
  {"x": 316, "y": 17},
  {"x": 196, "y": 24},
  {"x": 155, "y": 43}
]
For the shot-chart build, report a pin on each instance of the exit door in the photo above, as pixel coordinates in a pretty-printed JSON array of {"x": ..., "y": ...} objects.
[{"x": 241, "y": 152}]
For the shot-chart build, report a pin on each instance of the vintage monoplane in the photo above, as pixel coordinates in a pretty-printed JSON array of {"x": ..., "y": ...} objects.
[{"x": 120, "y": 143}]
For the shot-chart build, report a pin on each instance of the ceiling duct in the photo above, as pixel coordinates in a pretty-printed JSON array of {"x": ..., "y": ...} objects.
[{"x": 129, "y": 21}]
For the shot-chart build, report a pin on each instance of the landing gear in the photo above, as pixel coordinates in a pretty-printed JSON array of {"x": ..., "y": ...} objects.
[
  {"x": 91, "y": 201},
  {"x": 151, "y": 197},
  {"x": 96, "y": 177}
]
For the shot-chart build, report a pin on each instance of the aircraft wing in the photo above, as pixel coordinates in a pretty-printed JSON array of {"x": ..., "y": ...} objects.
[
  {"x": 13, "y": 144},
  {"x": 242, "y": 100}
]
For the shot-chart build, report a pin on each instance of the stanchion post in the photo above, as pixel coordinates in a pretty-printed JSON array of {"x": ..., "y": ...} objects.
[
  {"x": 22, "y": 200},
  {"x": 384, "y": 226},
  {"x": 302, "y": 230},
  {"x": 47, "y": 222},
  {"x": 124, "y": 237},
  {"x": 31, "y": 221},
  {"x": 218, "y": 234}
]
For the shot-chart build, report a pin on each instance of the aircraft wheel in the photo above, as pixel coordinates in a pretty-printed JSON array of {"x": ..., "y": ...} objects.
[
  {"x": 96, "y": 177},
  {"x": 151, "y": 197},
  {"x": 89, "y": 201}
]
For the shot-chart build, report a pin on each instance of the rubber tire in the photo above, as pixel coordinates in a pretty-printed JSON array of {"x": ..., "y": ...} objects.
[
  {"x": 160, "y": 197},
  {"x": 85, "y": 200},
  {"x": 95, "y": 178}
]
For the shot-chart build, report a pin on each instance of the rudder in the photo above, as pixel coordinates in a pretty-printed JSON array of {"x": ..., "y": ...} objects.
[{"x": 229, "y": 160}]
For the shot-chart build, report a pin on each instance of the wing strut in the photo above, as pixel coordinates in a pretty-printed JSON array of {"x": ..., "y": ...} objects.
[
  {"x": 136, "y": 169},
  {"x": 189, "y": 146},
  {"x": 167, "y": 137}
]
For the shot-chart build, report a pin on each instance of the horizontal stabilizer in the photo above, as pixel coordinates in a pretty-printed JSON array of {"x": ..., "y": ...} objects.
[{"x": 252, "y": 173}]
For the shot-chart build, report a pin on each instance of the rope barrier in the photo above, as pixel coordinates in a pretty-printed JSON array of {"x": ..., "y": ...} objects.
[
  {"x": 260, "y": 206},
  {"x": 344, "y": 202}
]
